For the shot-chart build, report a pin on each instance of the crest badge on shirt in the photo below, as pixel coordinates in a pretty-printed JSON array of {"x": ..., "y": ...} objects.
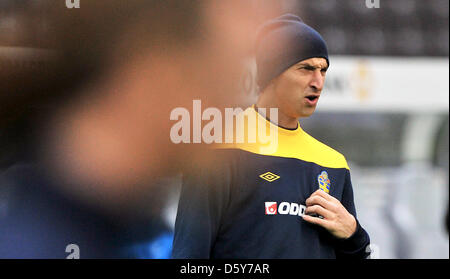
[{"x": 324, "y": 182}]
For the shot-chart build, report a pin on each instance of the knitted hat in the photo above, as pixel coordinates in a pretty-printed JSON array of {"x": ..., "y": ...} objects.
[{"x": 283, "y": 42}]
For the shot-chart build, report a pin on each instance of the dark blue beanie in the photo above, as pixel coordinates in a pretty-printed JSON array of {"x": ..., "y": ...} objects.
[{"x": 283, "y": 42}]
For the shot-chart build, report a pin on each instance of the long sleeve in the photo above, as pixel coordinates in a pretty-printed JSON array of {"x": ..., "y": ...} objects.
[
  {"x": 356, "y": 246},
  {"x": 203, "y": 200}
]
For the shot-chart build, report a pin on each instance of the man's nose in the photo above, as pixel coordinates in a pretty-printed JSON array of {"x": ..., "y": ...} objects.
[{"x": 317, "y": 80}]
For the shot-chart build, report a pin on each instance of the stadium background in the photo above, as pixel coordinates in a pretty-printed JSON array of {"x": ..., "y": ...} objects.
[{"x": 385, "y": 106}]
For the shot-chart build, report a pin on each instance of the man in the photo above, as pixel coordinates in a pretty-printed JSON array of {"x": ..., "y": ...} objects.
[
  {"x": 90, "y": 126},
  {"x": 294, "y": 202}
]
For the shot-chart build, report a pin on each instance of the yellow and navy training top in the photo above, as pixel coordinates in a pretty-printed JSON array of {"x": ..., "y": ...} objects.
[{"x": 248, "y": 203}]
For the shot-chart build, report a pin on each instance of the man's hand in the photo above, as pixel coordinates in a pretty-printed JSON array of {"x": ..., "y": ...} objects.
[{"x": 336, "y": 219}]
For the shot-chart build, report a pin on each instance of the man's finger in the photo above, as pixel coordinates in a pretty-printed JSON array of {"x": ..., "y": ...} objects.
[
  {"x": 320, "y": 211},
  {"x": 313, "y": 200},
  {"x": 318, "y": 221},
  {"x": 323, "y": 194}
]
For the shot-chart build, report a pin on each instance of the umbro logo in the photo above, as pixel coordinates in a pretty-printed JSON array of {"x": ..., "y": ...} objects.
[{"x": 268, "y": 176}]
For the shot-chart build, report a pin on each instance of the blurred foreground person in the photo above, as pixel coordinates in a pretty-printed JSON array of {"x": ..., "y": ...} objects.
[
  {"x": 90, "y": 129},
  {"x": 287, "y": 196}
]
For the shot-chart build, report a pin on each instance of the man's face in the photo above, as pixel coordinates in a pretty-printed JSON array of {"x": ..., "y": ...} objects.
[{"x": 297, "y": 90}]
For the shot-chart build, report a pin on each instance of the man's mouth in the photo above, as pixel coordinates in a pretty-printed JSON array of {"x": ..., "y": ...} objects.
[{"x": 311, "y": 98}]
